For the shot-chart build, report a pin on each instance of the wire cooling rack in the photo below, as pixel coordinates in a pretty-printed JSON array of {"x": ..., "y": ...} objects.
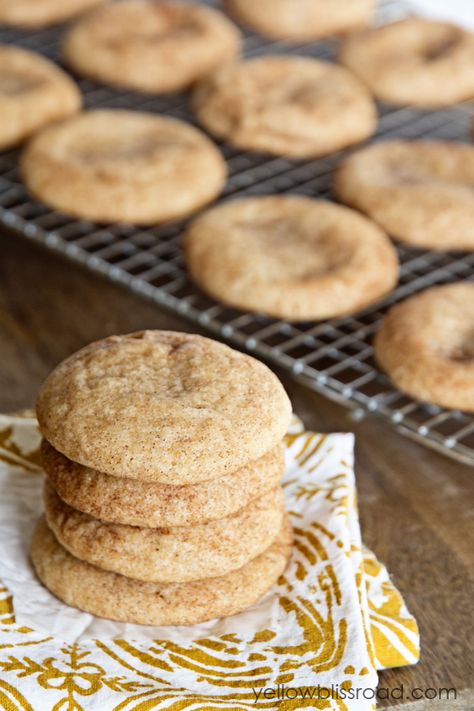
[{"x": 333, "y": 357}]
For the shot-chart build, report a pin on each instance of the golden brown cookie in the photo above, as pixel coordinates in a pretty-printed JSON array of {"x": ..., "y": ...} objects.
[
  {"x": 174, "y": 408},
  {"x": 34, "y": 92},
  {"x": 420, "y": 192},
  {"x": 152, "y": 46},
  {"x": 152, "y": 505},
  {"x": 168, "y": 555},
  {"x": 290, "y": 257},
  {"x": 294, "y": 106},
  {"x": 32, "y": 14},
  {"x": 123, "y": 166},
  {"x": 116, "y": 597},
  {"x": 416, "y": 61},
  {"x": 426, "y": 346},
  {"x": 304, "y": 19}
]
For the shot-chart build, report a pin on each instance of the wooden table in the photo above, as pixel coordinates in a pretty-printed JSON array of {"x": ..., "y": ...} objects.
[{"x": 416, "y": 506}]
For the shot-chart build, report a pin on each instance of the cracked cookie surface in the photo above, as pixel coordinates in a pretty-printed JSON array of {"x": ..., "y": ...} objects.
[
  {"x": 290, "y": 257},
  {"x": 34, "y": 92},
  {"x": 168, "y": 407},
  {"x": 415, "y": 61},
  {"x": 420, "y": 192},
  {"x": 426, "y": 345},
  {"x": 150, "y": 45},
  {"x": 303, "y": 19},
  {"x": 123, "y": 166},
  {"x": 32, "y": 14},
  {"x": 294, "y": 106}
]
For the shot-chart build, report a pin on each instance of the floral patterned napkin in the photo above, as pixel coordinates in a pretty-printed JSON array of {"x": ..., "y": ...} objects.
[{"x": 315, "y": 640}]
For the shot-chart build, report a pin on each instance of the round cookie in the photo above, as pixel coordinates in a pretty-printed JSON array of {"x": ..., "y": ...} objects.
[
  {"x": 174, "y": 408},
  {"x": 416, "y": 61},
  {"x": 146, "y": 504},
  {"x": 420, "y": 192},
  {"x": 304, "y": 19},
  {"x": 290, "y": 257},
  {"x": 152, "y": 46},
  {"x": 33, "y": 93},
  {"x": 294, "y": 106},
  {"x": 116, "y": 597},
  {"x": 32, "y": 14},
  {"x": 168, "y": 555},
  {"x": 123, "y": 166},
  {"x": 426, "y": 346}
]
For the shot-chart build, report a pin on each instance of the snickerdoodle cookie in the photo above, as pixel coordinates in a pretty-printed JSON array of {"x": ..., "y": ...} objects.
[
  {"x": 294, "y": 106},
  {"x": 168, "y": 555},
  {"x": 174, "y": 408},
  {"x": 153, "y": 46},
  {"x": 426, "y": 346},
  {"x": 123, "y": 166},
  {"x": 33, "y": 93},
  {"x": 421, "y": 192},
  {"x": 116, "y": 597},
  {"x": 290, "y": 257},
  {"x": 303, "y": 19},
  {"x": 127, "y": 501},
  {"x": 40, "y": 13},
  {"x": 416, "y": 61}
]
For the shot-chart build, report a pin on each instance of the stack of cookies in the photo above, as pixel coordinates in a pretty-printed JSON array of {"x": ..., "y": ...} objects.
[{"x": 163, "y": 455}]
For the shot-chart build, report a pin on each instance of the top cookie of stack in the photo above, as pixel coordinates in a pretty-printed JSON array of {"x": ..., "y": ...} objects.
[{"x": 163, "y": 407}]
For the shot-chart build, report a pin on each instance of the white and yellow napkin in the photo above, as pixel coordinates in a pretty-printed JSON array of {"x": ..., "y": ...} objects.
[{"x": 316, "y": 640}]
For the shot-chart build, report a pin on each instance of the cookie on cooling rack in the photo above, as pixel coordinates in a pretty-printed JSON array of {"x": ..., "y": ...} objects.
[
  {"x": 416, "y": 61},
  {"x": 152, "y": 46},
  {"x": 426, "y": 346},
  {"x": 148, "y": 504},
  {"x": 303, "y": 20},
  {"x": 290, "y": 257},
  {"x": 32, "y": 14},
  {"x": 168, "y": 555},
  {"x": 34, "y": 92},
  {"x": 294, "y": 106},
  {"x": 123, "y": 166},
  {"x": 420, "y": 192},
  {"x": 116, "y": 597}
]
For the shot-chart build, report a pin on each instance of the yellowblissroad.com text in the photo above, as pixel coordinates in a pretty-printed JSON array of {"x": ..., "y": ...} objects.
[{"x": 336, "y": 691}]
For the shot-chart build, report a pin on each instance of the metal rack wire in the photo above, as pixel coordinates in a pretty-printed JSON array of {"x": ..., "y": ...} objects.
[{"x": 333, "y": 357}]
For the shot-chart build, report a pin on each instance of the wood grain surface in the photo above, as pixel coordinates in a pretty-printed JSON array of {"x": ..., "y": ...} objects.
[{"x": 417, "y": 507}]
